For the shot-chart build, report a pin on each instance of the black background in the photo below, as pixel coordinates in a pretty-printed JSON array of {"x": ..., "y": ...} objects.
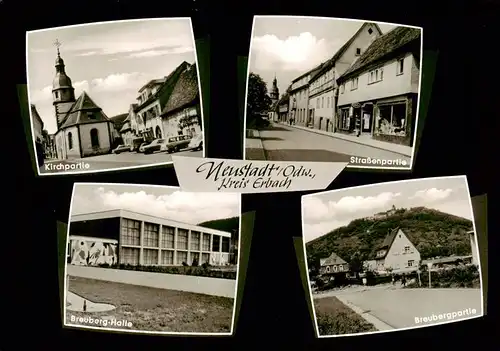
[{"x": 458, "y": 138}]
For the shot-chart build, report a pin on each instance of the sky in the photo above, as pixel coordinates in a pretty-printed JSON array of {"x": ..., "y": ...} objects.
[
  {"x": 327, "y": 211},
  {"x": 160, "y": 201},
  {"x": 290, "y": 46},
  {"x": 110, "y": 61}
]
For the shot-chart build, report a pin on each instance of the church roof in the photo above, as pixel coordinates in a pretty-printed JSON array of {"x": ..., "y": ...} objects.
[
  {"x": 79, "y": 112},
  {"x": 185, "y": 92}
]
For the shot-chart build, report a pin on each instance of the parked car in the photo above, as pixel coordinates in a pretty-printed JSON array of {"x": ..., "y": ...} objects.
[
  {"x": 175, "y": 144},
  {"x": 196, "y": 143},
  {"x": 142, "y": 146},
  {"x": 156, "y": 145},
  {"x": 121, "y": 148}
]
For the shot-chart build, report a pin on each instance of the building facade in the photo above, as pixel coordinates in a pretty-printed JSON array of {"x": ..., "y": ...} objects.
[
  {"x": 283, "y": 106},
  {"x": 378, "y": 94},
  {"x": 126, "y": 237},
  {"x": 83, "y": 129},
  {"x": 323, "y": 90},
  {"x": 182, "y": 113},
  {"x": 299, "y": 111},
  {"x": 397, "y": 254},
  {"x": 333, "y": 264}
]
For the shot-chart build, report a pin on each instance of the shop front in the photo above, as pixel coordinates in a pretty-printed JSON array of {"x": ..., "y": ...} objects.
[{"x": 390, "y": 120}]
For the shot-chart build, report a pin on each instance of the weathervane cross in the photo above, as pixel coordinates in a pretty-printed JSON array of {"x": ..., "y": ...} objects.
[{"x": 57, "y": 44}]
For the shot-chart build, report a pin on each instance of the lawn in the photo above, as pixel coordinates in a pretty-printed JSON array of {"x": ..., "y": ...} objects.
[
  {"x": 152, "y": 309},
  {"x": 335, "y": 318}
]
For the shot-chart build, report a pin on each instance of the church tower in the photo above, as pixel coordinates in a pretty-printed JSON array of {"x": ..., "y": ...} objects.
[
  {"x": 63, "y": 93},
  {"x": 275, "y": 92}
]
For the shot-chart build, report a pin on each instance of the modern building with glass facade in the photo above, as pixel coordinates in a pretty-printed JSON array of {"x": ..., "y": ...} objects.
[{"x": 148, "y": 240}]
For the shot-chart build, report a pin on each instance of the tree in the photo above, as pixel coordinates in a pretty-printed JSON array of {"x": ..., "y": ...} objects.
[
  {"x": 356, "y": 264},
  {"x": 258, "y": 100}
]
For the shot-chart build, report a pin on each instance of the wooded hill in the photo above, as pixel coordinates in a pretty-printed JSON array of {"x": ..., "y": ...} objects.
[
  {"x": 225, "y": 224},
  {"x": 434, "y": 233}
]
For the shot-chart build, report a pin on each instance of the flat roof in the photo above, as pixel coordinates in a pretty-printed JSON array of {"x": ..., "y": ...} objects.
[
  {"x": 144, "y": 217},
  {"x": 89, "y": 238}
]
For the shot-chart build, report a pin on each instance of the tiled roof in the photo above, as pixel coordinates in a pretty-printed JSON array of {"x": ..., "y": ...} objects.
[
  {"x": 382, "y": 47},
  {"x": 119, "y": 120},
  {"x": 333, "y": 259},
  {"x": 331, "y": 62},
  {"x": 77, "y": 114},
  {"x": 185, "y": 92}
]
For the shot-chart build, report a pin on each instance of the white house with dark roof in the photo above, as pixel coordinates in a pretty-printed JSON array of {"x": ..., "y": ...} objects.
[
  {"x": 323, "y": 90},
  {"x": 396, "y": 254},
  {"x": 181, "y": 115},
  {"x": 379, "y": 92},
  {"x": 333, "y": 264},
  {"x": 83, "y": 129},
  {"x": 151, "y": 101}
]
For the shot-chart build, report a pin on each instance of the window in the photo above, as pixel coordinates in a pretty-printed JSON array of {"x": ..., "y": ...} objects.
[
  {"x": 167, "y": 257},
  {"x": 216, "y": 243},
  {"x": 354, "y": 84},
  {"x": 206, "y": 243},
  {"x": 91, "y": 115},
  {"x": 195, "y": 257},
  {"x": 150, "y": 257},
  {"x": 129, "y": 255},
  {"x": 328, "y": 101},
  {"x": 358, "y": 51},
  {"x": 195, "y": 241},
  {"x": 376, "y": 75},
  {"x": 151, "y": 237},
  {"x": 205, "y": 258},
  {"x": 407, "y": 249},
  {"x": 401, "y": 66},
  {"x": 317, "y": 102},
  {"x": 70, "y": 141},
  {"x": 225, "y": 244},
  {"x": 344, "y": 119},
  {"x": 94, "y": 137},
  {"x": 335, "y": 268},
  {"x": 391, "y": 119},
  {"x": 411, "y": 263},
  {"x": 131, "y": 232},
  {"x": 342, "y": 88},
  {"x": 167, "y": 237},
  {"x": 56, "y": 94},
  {"x": 182, "y": 256},
  {"x": 322, "y": 101},
  {"x": 370, "y": 31},
  {"x": 182, "y": 239},
  {"x": 328, "y": 268}
]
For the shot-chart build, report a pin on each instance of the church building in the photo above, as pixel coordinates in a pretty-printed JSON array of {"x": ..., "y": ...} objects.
[
  {"x": 83, "y": 129},
  {"x": 275, "y": 96}
]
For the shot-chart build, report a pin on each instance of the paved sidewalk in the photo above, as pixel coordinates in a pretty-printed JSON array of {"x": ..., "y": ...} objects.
[
  {"x": 396, "y": 148},
  {"x": 254, "y": 150}
]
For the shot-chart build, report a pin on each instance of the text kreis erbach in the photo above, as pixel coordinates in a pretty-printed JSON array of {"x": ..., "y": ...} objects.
[{"x": 249, "y": 175}]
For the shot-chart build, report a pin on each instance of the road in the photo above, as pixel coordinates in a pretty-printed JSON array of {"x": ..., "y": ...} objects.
[
  {"x": 112, "y": 161},
  {"x": 283, "y": 143},
  {"x": 399, "y": 307}
]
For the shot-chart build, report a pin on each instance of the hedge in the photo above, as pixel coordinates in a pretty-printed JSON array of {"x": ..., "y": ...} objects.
[
  {"x": 200, "y": 271},
  {"x": 457, "y": 277}
]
